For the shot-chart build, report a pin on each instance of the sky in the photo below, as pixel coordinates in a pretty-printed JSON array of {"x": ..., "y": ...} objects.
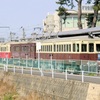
[{"x": 23, "y": 13}]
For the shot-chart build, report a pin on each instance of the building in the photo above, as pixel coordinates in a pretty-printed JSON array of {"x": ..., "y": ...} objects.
[{"x": 53, "y": 22}]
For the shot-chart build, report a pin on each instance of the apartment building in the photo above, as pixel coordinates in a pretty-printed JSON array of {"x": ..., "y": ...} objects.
[{"x": 53, "y": 23}]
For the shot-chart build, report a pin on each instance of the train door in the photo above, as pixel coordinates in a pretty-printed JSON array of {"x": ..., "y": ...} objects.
[{"x": 33, "y": 50}]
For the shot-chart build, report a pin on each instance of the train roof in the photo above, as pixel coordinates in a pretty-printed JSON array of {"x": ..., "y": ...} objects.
[
  {"x": 81, "y": 32},
  {"x": 68, "y": 39}
]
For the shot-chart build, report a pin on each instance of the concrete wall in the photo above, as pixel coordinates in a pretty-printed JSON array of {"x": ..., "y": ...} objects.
[{"x": 44, "y": 88}]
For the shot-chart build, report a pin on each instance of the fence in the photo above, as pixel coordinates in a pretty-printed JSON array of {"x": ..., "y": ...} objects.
[
  {"x": 61, "y": 65},
  {"x": 83, "y": 76}
]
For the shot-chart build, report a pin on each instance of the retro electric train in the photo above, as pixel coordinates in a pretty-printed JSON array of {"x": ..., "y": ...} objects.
[{"x": 81, "y": 44}]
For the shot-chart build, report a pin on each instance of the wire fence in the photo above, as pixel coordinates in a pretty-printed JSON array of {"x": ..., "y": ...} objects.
[{"x": 57, "y": 65}]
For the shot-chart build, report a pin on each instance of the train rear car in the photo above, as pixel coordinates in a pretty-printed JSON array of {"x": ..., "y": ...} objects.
[{"x": 5, "y": 50}]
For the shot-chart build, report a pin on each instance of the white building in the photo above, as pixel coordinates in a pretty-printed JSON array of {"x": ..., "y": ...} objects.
[{"x": 53, "y": 22}]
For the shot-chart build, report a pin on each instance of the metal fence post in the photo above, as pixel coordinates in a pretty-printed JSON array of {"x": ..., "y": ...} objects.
[
  {"x": 31, "y": 70},
  {"x": 41, "y": 72},
  {"x": 14, "y": 69},
  {"x": 52, "y": 73},
  {"x": 66, "y": 75},
  {"x": 4, "y": 67},
  {"x": 22, "y": 69},
  {"x": 82, "y": 76}
]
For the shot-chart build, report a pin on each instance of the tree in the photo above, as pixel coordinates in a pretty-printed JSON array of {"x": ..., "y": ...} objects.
[
  {"x": 89, "y": 19},
  {"x": 70, "y": 3},
  {"x": 96, "y": 8}
]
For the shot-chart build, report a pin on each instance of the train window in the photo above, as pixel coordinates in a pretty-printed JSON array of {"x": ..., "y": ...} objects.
[
  {"x": 57, "y": 48},
  {"x": 69, "y": 47},
  {"x": 54, "y": 48},
  {"x": 64, "y": 47},
  {"x": 98, "y": 47},
  {"x": 25, "y": 48},
  {"x": 77, "y": 47},
  {"x": 17, "y": 48},
  {"x": 3, "y": 48},
  {"x": 91, "y": 47},
  {"x": 50, "y": 47},
  {"x": 74, "y": 47},
  {"x": 47, "y": 48},
  {"x": 41, "y": 48},
  {"x": 84, "y": 47},
  {"x": 32, "y": 48}
]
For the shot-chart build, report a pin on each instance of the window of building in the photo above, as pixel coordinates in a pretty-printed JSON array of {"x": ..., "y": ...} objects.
[{"x": 91, "y": 47}]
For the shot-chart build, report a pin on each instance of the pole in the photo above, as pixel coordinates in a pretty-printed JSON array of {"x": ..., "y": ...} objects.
[
  {"x": 26, "y": 60},
  {"x": 82, "y": 76},
  {"x": 66, "y": 74},
  {"x": 88, "y": 66},
  {"x": 38, "y": 59},
  {"x": 52, "y": 67},
  {"x": 6, "y": 63},
  {"x": 31, "y": 71},
  {"x": 22, "y": 69},
  {"x": 14, "y": 69},
  {"x": 19, "y": 62}
]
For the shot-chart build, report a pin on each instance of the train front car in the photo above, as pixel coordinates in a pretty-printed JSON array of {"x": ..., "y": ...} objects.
[
  {"x": 83, "y": 48},
  {"x": 23, "y": 49}
]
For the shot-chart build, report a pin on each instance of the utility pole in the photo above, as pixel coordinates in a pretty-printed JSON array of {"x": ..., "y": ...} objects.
[
  {"x": 11, "y": 36},
  {"x": 23, "y": 32}
]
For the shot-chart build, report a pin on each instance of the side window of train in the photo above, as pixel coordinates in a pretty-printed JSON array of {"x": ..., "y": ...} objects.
[
  {"x": 98, "y": 47},
  {"x": 32, "y": 48},
  {"x": 74, "y": 47},
  {"x": 25, "y": 48},
  {"x": 84, "y": 47},
  {"x": 54, "y": 48},
  {"x": 17, "y": 48},
  {"x": 69, "y": 47},
  {"x": 91, "y": 47},
  {"x": 77, "y": 46}
]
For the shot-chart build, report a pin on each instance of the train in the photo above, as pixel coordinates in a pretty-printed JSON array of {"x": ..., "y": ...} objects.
[{"x": 83, "y": 44}]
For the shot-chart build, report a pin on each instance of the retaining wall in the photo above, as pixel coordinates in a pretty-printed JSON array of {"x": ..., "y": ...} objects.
[{"x": 44, "y": 88}]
